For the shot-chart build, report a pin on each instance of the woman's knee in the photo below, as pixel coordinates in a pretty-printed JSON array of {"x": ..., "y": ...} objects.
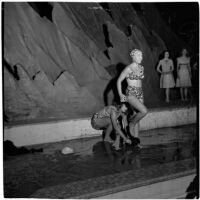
[
  {"x": 135, "y": 103},
  {"x": 144, "y": 111}
]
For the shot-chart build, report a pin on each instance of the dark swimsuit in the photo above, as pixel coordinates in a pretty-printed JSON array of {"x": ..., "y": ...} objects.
[{"x": 132, "y": 90}]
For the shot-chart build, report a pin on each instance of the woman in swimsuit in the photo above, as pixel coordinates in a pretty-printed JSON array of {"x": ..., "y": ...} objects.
[
  {"x": 133, "y": 73},
  {"x": 166, "y": 67},
  {"x": 183, "y": 74},
  {"x": 108, "y": 119}
]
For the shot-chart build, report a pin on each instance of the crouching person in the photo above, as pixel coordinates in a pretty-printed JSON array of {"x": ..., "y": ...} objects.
[{"x": 108, "y": 120}]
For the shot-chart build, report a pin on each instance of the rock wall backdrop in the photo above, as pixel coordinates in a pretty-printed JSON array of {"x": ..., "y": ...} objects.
[{"x": 62, "y": 59}]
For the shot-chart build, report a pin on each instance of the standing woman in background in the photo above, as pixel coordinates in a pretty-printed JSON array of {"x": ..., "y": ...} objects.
[
  {"x": 133, "y": 73},
  {"x": 183, "y": 74},
  {"x": 166, "y": 67}
]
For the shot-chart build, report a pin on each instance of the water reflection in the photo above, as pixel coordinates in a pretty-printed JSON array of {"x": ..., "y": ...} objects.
[
  {"x": 130, "y": 157},
  {"x": 100, "y": 160},
  {"x": 119, "y": 160}
]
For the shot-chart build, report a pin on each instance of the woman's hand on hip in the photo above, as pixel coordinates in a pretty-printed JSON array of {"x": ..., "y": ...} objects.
[{"x": 123, "y": 98}]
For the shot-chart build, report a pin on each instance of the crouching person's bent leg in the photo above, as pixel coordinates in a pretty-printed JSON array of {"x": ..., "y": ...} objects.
[
  {"x": 102, "y": 124},
  {"x": 116, "y": 144},
  {"x": 108, "y": 131}
]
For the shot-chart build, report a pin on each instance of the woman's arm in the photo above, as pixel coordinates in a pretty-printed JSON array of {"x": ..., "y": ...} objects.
[
  {"x": 195, "y": 66},
  {"x": 124, "y": 120},
  {"x": 177, "y": 67},
  {"x": 172, "y": 64},
  {"x": 158, "y": 67},
  {"x": 189, "y": 67},
  {"x": 122, "y": 76},
  {"x": 117, "y": 127}
]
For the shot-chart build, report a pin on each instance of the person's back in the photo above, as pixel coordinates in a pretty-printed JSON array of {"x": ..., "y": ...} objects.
[
  {"x": 102, "y": 119},
  {"x": 106, "y": 112}
]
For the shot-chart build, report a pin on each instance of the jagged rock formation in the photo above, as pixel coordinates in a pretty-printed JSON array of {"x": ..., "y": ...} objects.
[{"x": 60, "y": 67}]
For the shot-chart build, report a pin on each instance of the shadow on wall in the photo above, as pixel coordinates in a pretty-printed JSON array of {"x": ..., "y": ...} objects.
[
  {"x": 43, "y": 9},
  {"x": 106, "y": 8},
  {"x": 115, "y": 71},
  {"x": 107, "y": 40},
  {"x": 13, "y": 71}
]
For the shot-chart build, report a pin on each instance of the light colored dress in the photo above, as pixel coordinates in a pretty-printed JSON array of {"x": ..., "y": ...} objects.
[
  {"x": 167, "y": 80},
  {"x": 184, "y": 79}
]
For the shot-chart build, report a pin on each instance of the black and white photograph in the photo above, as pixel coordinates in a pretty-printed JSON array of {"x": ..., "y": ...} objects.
[{"x": 100, "y": 99}]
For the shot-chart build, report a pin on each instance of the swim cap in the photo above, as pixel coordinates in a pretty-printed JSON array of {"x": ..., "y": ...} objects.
[{"x": 135, "y": 51}]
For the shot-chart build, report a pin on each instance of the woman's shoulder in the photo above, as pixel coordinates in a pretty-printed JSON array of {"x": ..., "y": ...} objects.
[
  {"x": 161, "y": 61},
  {"x": 132, "y": 67},
  {"x": 183, "y": 59},
  {"x": 179, "y": 59},
  {"x": 128, "y": 68}
]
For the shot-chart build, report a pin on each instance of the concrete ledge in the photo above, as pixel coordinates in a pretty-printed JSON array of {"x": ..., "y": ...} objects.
[
  {"x": 168, "y": 180},
  {"x": 170, "y": 189},
  {"x": 159, "y": 118},
  {"x": 38, "y": 133}
]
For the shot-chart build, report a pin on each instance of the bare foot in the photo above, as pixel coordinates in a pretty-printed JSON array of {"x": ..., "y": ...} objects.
[
  {"x": 116, "y": 145},
  {"x": 139, "y": 146}
]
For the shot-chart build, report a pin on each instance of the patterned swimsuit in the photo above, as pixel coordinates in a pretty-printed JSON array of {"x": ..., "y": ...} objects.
[
  {"x": 102, "y": 119},
  {"x": 132, "y": 90}
]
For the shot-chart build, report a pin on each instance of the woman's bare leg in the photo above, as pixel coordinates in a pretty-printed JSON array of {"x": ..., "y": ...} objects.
[
  {"x": 116, "y": 144},
  {"x": 136, "y": 130},
  {"x": 108, "y": 132},
  {"x": 181, "y": 91},
  {"x": 142, "y": 111},
  {"x": 186, "y": 93},
  {"x": 167, "y": 94}
]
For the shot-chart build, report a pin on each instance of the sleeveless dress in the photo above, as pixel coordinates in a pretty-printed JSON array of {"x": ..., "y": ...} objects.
[
  {"x": 167, "y": 80},
  {"x": 184, "y": 76}
]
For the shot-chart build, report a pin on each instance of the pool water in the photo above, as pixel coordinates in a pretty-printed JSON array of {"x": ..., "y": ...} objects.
[{"x": 25, "y": 174}]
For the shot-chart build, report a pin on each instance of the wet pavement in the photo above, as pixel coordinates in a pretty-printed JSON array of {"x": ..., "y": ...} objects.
[{"x": 96, "y": 165}]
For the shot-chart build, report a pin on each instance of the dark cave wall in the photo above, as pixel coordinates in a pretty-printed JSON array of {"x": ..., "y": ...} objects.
[{"x": 173, "y": 43}]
